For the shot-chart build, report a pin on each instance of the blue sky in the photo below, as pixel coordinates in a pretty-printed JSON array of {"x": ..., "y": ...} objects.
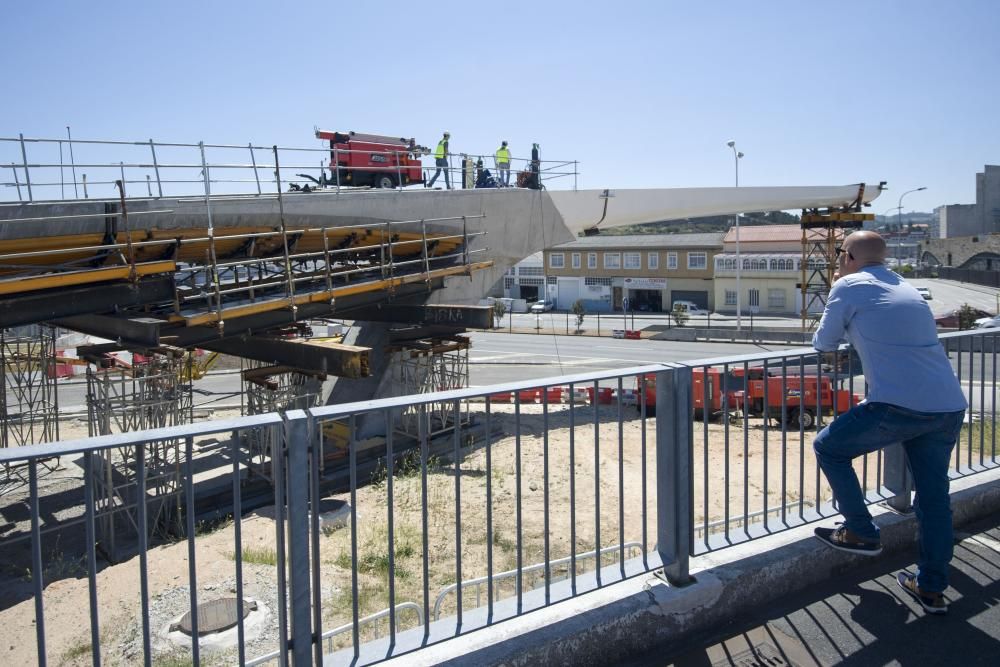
[{"x": 642, "y": 94}]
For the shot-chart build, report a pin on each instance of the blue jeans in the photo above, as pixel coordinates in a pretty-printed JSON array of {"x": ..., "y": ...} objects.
[{"x": 927, "y": 439}]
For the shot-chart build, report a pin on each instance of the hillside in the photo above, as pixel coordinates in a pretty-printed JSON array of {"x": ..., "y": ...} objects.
[{"x": 715, "y": 223}]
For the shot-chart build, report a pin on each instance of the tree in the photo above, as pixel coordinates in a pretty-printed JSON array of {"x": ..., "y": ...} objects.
[
  {"x": 579, "y": 311},
  {"x": 966, "y": 317},
  {"x": 499, "y": 310},
  {"x": 679, "y": 314}
]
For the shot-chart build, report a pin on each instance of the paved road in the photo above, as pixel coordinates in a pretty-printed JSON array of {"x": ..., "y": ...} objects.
[{"x": 500, "y": 357}]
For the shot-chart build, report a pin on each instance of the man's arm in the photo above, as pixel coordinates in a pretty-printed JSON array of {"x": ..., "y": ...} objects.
[{"x": 836, "y": 316}]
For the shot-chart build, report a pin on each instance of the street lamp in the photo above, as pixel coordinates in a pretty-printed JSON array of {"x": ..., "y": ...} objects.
[
  {"x": 899, "y": 215},
  {"x": 736, "y": 157}
]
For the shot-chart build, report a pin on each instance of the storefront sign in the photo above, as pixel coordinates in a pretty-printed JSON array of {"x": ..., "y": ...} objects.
[{"x": 645, "y": 283}]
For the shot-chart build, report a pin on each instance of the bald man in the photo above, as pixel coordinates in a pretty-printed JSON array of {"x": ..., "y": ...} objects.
[{"x": 913, "y": 398}]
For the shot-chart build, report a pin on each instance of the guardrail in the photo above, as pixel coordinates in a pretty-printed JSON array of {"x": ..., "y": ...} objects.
[
  {"x": 36, "y": 167},
  {"x": 720, "y": 456}
]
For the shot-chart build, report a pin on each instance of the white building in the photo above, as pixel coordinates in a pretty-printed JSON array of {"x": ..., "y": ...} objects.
[{"x": 771, "y": 273}]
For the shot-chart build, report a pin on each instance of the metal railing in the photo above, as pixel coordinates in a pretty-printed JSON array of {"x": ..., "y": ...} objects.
[
  {"x": 89, "y": 169},
  {"x": 535, "y": 472}
]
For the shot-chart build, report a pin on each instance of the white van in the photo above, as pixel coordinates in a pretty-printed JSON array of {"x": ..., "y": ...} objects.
[{"x": 689, "y": 307}]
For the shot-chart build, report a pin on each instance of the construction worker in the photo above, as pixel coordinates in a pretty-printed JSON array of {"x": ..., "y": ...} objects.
[
  {"x": 503, "y": 163},
  {"x": 441, "y": 161}
]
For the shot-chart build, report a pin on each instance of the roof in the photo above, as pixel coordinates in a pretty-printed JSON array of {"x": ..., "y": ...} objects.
[
  {"x": 705, "y": 240},
  {"x": 773, "y": 233}
]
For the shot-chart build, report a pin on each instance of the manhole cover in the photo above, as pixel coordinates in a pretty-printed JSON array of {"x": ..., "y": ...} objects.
[
  {"x": 214, "y": 616},
  {"x": 761, "y": 655}
]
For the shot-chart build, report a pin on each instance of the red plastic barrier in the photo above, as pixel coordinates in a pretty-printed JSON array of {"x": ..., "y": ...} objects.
[
  {"x": 603, "y": 395},
  {"x": 501, "y": 398},
  {"x": 554, "y": 394},
  {"x": 633, "y": 334},
  {"x": 529, "y": 395}
]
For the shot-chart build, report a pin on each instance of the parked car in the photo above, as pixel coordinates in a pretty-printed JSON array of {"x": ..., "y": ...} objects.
[
  {"x": 924, "y": 292},
  {"x": 542, "y": 306},
  {"x": 949, "y": 320},
  {"x": 689, "y": 307},
  {"x": 988, "y": 322}
]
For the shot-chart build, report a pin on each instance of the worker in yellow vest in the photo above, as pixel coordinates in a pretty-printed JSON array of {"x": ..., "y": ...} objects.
[
  {"x": 441, "y": 161},
  {"x": 503, "y": 163}
]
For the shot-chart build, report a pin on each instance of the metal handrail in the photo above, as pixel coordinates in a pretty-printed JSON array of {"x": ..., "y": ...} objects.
[
  {"x": 512, "y": 574},
  {"x": 547, "y": 168},
  {"x": 347, "y": 627}
]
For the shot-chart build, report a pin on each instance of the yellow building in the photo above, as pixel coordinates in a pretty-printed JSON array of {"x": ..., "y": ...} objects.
[{"x": 650, "y": 270}]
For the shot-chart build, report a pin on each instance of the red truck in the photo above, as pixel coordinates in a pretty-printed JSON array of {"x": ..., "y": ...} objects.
[
  {"x": 800, "y": 403},
  {"x": 373, "y": 159}
]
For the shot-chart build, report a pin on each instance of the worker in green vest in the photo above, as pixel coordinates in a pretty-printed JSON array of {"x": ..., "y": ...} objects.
[
  {"x": 441, "y": 161},
  {"x": 503, "y": 163}
]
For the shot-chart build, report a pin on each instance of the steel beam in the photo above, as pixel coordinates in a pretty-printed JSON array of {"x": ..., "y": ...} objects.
[
  {"x": 460, "y": 317},
  {"x": 349, "y": 361},
  {"x": 16, "y": 310},
  {"x": 138, "y": 332}
]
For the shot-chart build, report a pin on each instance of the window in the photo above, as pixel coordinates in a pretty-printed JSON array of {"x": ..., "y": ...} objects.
[
  {"x": 591, "y": 260},
  {"x": 557, "y": 260},
  {"x": 612, "y": 260},
  {"x": 633, "y": 261},
  {"x": 775, "y": 299},
  {"x": 730, "y": 297},
  {"x": 588, "y": 280},
  {"x": 551, "y": 280},
  {"x": 576, "y": 260},
  {"x": 531, "y": 271},
  {"x": 671, "y": 260},
  {"x": 697, "y": 260},
  {"x": 653, "y": 260},
  {"x": 754, "y": 298},
  {"x": 508, "y": 282}
]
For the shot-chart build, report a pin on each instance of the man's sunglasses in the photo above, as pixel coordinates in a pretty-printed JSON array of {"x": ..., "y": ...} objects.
[{"x": 840, "y": 249}]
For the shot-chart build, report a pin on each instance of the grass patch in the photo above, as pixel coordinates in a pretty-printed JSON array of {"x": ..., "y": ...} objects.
[
  {"x": 505, "y": 543},
  {"x": 257, "y": 555},
  {"x": 76, "y": 651},
  {"x": 173, "y": 660}
]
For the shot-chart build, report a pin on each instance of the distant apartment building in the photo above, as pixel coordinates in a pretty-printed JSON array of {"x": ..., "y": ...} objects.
[
  {"x": 770, "y": 270},
  {"x": 651, "y": 271},
  {"x": 983, "y": 217}
]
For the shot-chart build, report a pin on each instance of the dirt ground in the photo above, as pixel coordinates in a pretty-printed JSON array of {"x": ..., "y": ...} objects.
[{"x": 582, "y": 460}]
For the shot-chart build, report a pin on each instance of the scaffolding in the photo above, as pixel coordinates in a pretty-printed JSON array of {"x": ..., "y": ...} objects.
[
  {"x": 148, "y": 392},
  {"x": 822, "y": 233},
  {"x": 30, "y": 396},
  {"x": 270, "y": 388},
  {"x": 425, "y": 366}
]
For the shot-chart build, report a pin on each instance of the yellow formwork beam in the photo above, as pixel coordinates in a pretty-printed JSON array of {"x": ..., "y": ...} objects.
[{"x": 70, "y": 278}]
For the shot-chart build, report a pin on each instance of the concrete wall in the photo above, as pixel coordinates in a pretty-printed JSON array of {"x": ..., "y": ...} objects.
[
  {"x": 958, "y": 220},
  {"x": 960, "y": 250}
]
